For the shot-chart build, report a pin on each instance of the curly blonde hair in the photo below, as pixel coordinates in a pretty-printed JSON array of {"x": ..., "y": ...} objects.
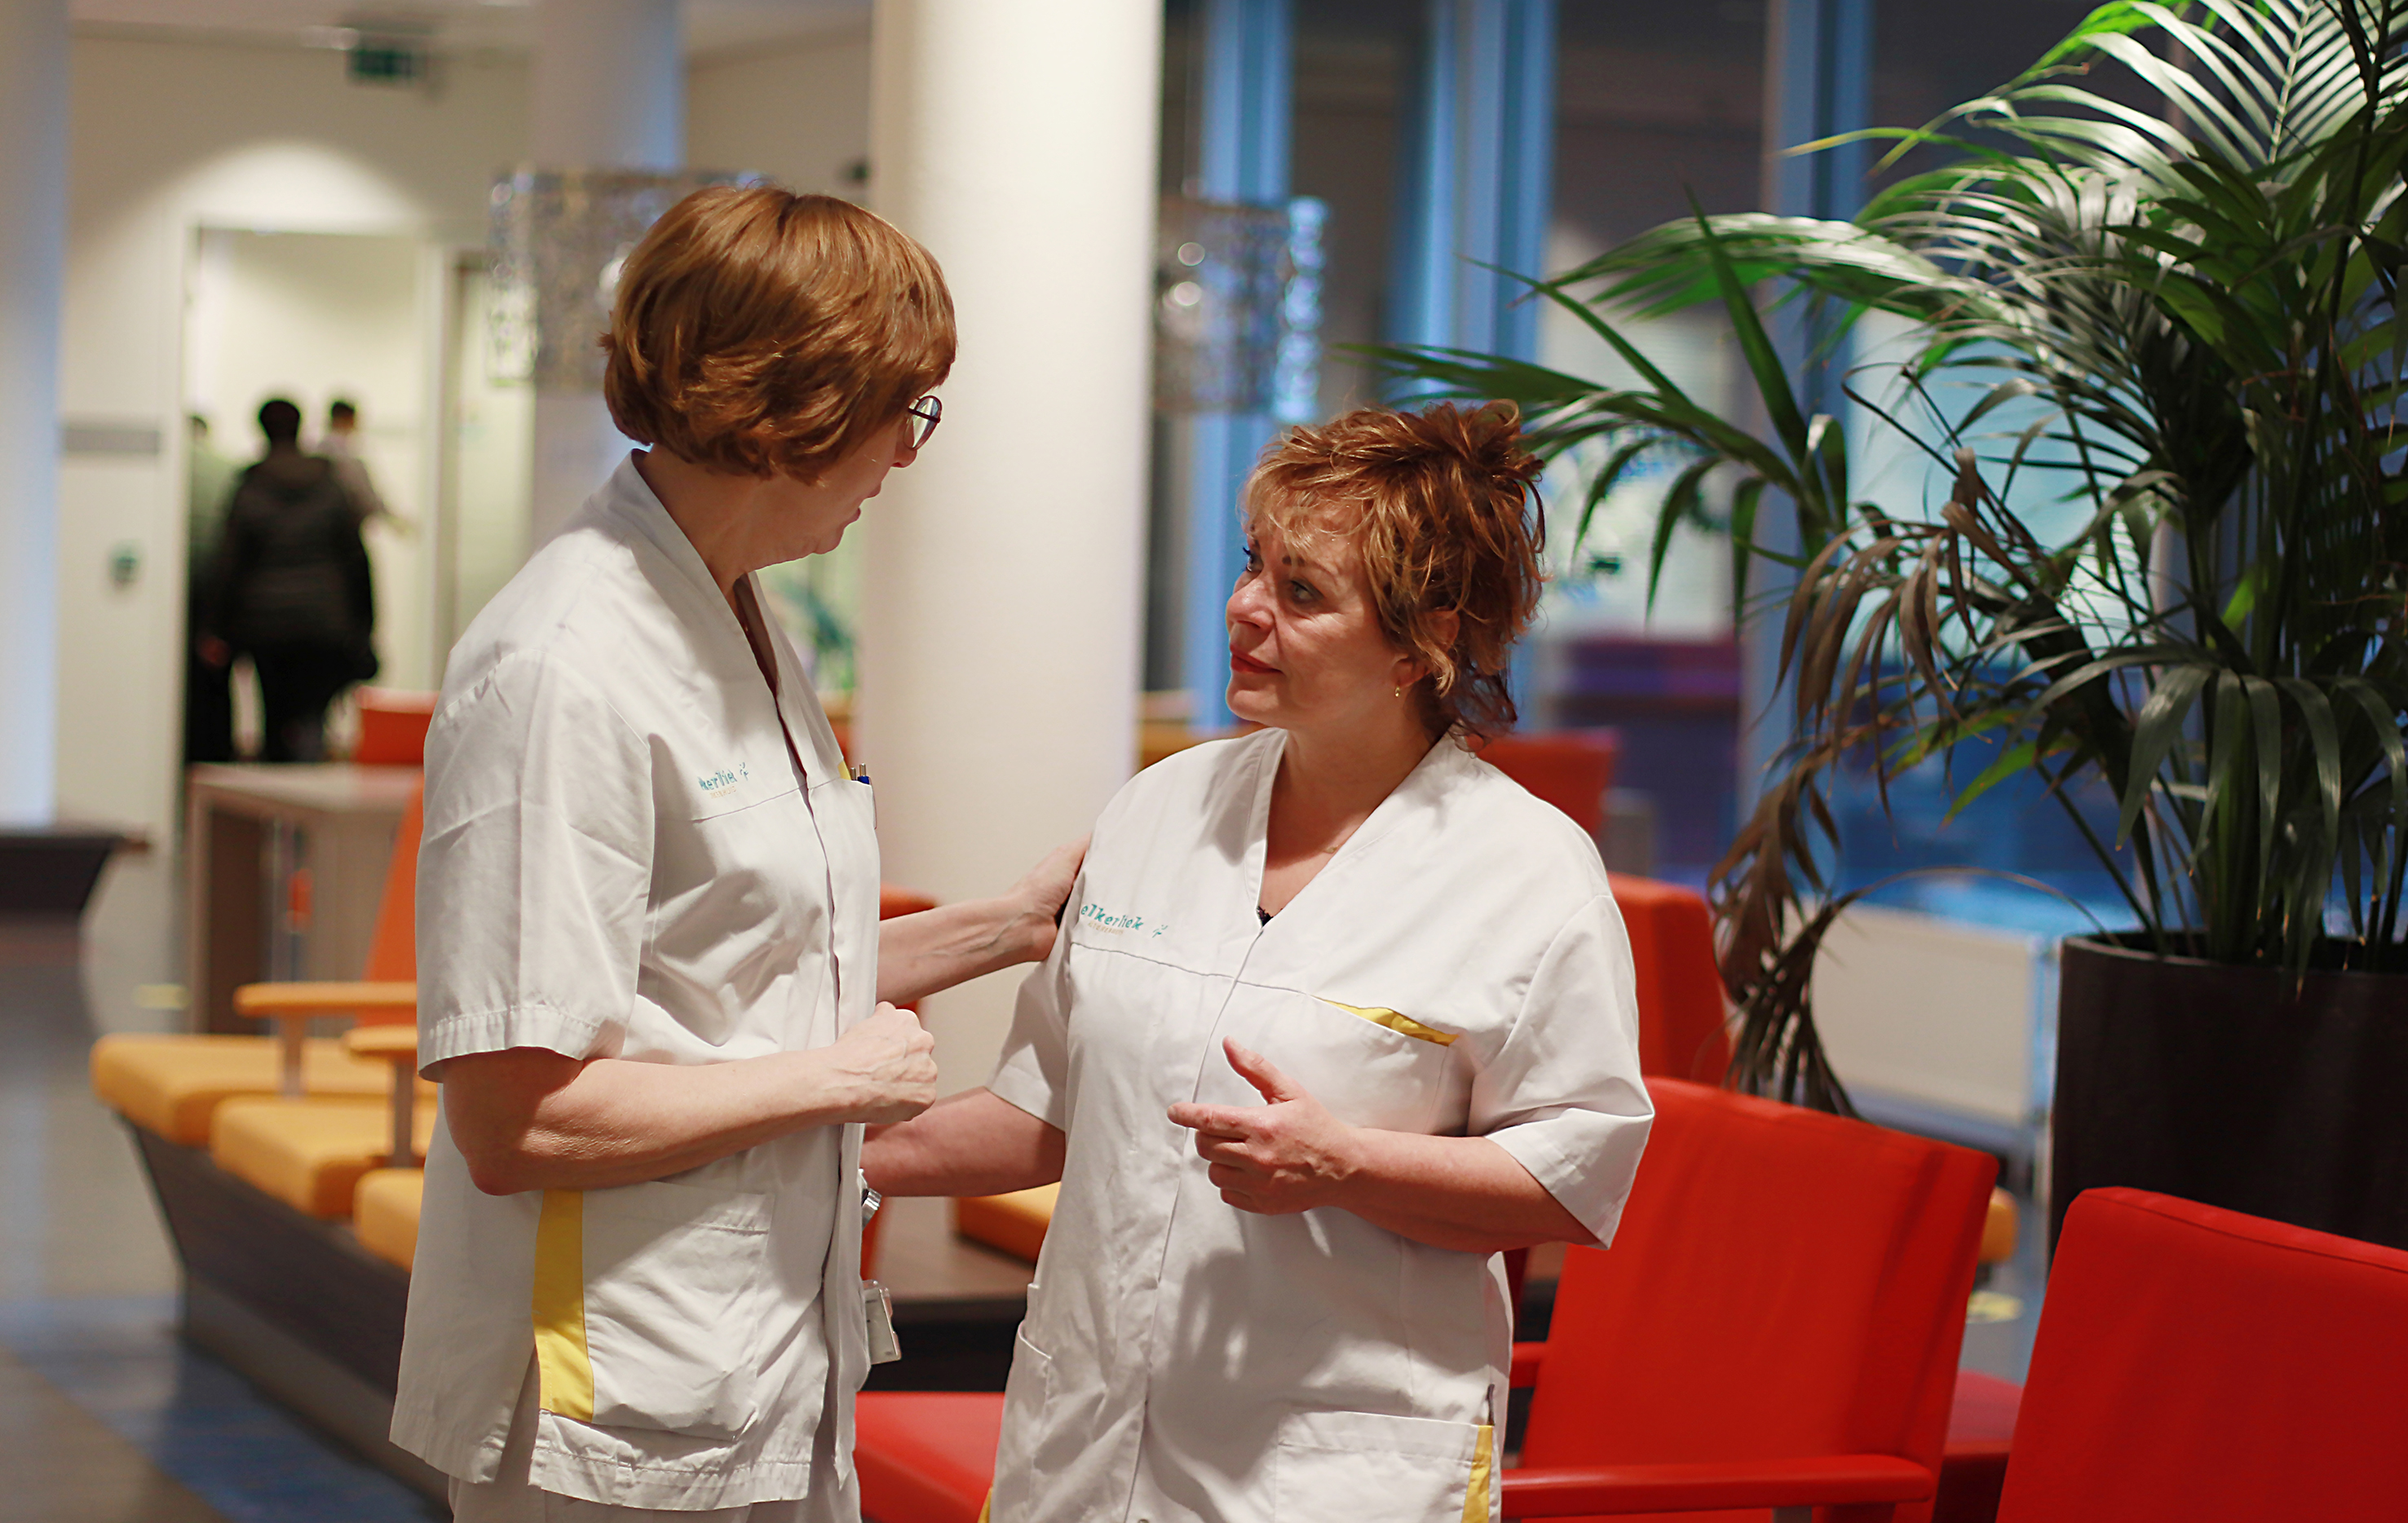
[
  {"x": 757, "y": 332},
  {"x": 1442, "y": 505}
]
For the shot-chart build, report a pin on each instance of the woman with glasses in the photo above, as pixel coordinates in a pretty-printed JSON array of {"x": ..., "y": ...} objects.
[{"x": 652, "y": 980}]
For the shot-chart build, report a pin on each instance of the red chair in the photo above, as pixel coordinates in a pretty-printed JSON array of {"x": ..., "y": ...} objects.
[
  {"x": 1570, "y": 769},
  {"x": 1777, "y": 1325},
  {"x": 392, "y": 727},
  {"x": 925, "y": 1457},
  {"x": 1681, "y": 1033},
  {"x": 2200, "y": 1364},
  {"x": 1981, "y": 1422}
]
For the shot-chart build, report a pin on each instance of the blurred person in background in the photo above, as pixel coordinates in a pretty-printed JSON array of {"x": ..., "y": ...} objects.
[
  {"x": 292, "y": 589},
  {"x": 209, "y": 662},
  {"x": 340, "y": 444}
]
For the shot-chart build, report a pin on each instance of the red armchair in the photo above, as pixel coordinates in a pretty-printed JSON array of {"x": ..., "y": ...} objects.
[
  {"x": 1776, "y": 1327},
  {"x": 2200, "y": 1364},
  {"x": 1682, "y": 1019}
]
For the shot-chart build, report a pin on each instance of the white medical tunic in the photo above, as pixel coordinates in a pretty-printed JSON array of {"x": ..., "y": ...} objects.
[
  {"x": 1457, "y": 969},
  {"x": 634, "y": 849}
]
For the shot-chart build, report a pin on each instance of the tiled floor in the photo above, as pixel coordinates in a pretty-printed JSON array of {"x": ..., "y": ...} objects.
[
  {"x": 200, "y": 1427},
  {"x": 105, "y": 1416},
  {"x": 63, "y": 1464}
]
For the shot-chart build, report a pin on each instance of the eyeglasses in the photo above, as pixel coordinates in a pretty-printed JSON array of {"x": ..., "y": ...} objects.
[{"x": 926, "y": 415}]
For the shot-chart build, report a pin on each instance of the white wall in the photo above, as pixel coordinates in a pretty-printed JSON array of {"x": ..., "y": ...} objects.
[
  {"x": 797, "y": 113},
  {"x": 1935, "y": 1012}
]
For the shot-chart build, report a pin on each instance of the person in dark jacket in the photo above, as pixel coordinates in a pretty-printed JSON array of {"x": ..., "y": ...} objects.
[{"x": 294, "y": 592}]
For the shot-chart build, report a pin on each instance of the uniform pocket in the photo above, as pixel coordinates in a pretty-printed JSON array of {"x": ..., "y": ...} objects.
[
  {"x": 1370, "y": 1067},
  {"x": 654, "y": 1329},
  {"x": 1026, "y": 1392},
  {"x": 1374, "y": 1466}
]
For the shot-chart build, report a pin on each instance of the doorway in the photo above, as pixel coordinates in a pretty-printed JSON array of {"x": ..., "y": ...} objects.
[{"x": 319, "y": 317}]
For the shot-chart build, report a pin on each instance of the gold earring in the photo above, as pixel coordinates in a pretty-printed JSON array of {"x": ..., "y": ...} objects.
[{"x": 1400, "y": 692}]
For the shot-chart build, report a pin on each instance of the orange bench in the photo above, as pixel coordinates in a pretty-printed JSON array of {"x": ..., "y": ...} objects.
[{"x": 172, "y": 1084}]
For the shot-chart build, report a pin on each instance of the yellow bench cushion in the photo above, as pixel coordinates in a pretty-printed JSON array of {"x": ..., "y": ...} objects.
[
  {"x": 1013, "y": 1224},
  {"x": 384, "y": 1212},
  {"x": 172, "y": 1084},
  {"x": 309, "y": 1153}
]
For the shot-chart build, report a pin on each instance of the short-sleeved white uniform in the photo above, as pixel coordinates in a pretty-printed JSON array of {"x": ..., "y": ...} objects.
[
  {"x": 1457, "y": 968},
  {"x": 624, "y": 858}
]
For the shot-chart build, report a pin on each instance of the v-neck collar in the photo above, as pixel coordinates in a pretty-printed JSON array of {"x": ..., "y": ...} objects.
[
  {"x": 1430, "y": 777},
  {"x": 632, "y": 500}
]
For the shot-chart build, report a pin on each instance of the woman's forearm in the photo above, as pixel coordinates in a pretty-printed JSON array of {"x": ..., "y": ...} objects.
[
  {"x": 935, "y": 949},
  {"x": 529, "y": 1119},
  {"x": 970, "y": 1144},
  {"x": 919, "y": 954},
  {"x": 1464, "y": 1193}
]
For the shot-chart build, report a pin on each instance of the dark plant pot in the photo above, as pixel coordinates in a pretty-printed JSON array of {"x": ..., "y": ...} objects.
[{"x": 2242, "y": 1088}]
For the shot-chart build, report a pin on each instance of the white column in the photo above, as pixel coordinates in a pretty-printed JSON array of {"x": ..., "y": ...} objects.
[
  {"x": 1005, "y": 571},
  {"x": 607, "y": 93},
  {"x": 32, "y": 262}
]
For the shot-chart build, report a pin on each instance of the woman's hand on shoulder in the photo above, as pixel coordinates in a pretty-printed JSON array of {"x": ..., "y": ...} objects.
[
  {"x": 1288, "y": 1154},
  {"x": 1041, "y": 893},
  {"x": 885, "y": 1067}
]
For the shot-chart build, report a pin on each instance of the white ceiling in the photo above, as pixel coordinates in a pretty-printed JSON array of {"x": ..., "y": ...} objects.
[{"x": 456, "y": 27}]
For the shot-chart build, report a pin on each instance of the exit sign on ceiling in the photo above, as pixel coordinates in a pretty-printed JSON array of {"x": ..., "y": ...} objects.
[{"x": 386, "y": 61}]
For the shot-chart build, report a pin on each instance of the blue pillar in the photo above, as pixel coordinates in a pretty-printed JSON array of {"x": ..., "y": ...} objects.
[
  {"x": 1248, "y": 106},
  {"x": 1475, "y": 188},
  {"x": 1818, "y": 62},
  {"x": 1817, "y": 75}
]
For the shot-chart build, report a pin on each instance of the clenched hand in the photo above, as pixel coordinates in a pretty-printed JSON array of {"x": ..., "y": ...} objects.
[{"x": 889, "y": 1064}]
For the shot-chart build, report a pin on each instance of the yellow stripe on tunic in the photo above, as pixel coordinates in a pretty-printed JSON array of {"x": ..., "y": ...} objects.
[
  {"x": 1402, "y": 1024},
  {"x": 1475, "y": 1497},
  {"x": 564, "y": 1371}
]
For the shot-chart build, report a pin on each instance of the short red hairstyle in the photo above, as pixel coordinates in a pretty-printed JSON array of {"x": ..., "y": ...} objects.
[
  {"x": 1442, "y": 505},
  {"x": 758, "y": 332}
]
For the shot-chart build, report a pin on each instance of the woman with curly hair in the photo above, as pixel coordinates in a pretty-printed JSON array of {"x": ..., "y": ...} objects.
[
  {"x": 651, "y": 976},
  {"x": 1344, "y": 1011}
]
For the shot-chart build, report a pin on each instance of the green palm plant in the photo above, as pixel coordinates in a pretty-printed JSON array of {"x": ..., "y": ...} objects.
[{"x": 2182, "y": 325}]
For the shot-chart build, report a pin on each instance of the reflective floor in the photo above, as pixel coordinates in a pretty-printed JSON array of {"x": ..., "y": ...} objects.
[{"x": 105, "y": 1416}]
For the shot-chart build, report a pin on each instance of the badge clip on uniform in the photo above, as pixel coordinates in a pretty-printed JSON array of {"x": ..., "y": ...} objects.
[{"x": 877, "y": 1307}]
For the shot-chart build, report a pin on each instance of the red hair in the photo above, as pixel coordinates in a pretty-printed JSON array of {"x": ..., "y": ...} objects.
[
  {"x": 758, "y": 332},
  {"x": 1442, "y": 505}
]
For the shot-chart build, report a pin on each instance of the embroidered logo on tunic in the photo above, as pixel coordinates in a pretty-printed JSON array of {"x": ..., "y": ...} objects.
[
  {"x": 1118, "y": 923},
  {"x": 723, "y": 778}
]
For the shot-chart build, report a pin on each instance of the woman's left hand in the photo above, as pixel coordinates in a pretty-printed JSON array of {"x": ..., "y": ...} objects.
[
  {"x": 1042, "y": 892},
  {"x": 1287, "y": 1155}
]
